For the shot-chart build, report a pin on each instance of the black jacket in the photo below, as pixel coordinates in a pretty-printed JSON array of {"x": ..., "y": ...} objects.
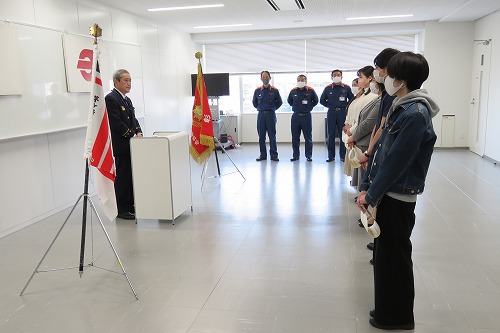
[{"x": 122, "y": 122}]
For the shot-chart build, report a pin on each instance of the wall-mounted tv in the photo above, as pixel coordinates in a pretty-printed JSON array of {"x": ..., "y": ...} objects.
[{"x": 217, "y": 84}]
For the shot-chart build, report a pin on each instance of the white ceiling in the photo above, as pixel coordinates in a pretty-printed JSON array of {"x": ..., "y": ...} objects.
[{"x": 318, "y": 13}]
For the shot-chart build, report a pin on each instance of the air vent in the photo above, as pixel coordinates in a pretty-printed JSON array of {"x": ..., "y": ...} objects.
[{"x": 279, "y": 5}]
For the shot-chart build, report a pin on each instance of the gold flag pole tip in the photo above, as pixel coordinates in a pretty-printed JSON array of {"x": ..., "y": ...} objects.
[
  {"x": 95, "y": 31},
  {"x": 198, "y": 55}
]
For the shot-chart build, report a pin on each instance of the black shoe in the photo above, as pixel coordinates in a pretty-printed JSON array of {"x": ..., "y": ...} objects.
[
  {"x": 391, "y": 327},
  {"x": 360, "y": 223},
  {"x": 372, "y": 313},
  {"x": 341, "y": 160},
  {"x": 371, "y": 261},
  {"x": 293, "y": 159},
  {"x": 370, "y": 246},
  {"x": 126, "y": 216},
  {"x": 275, "y": 159},
  {"x": 258, "y": 159},
  {"x": 309, "y": 159},
  {"x": 356, "y": 199},
  {"x": 330, "y": 160}
]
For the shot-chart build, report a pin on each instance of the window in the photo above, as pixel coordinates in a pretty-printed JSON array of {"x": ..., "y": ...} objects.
[
  {"x": 286, "y": 59},
  {"x": 242, "y": 87}
]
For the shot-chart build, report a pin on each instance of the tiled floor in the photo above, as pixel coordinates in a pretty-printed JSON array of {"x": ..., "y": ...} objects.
[{"x": 280, "y": 252}]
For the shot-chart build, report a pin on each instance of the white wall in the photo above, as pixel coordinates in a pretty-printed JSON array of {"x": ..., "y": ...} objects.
[
  {"x": 448, "y": 50},
  {"x": 43, "y": 174},
  {"x": 489, "y": 28}
]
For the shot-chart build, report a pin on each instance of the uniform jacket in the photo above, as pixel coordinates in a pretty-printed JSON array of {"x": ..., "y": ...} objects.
[
  {"x": 122, "y": 122},
  {"x": 336, "y": 96},
  {"x": 302, "y": 100},
  {"x": 266, "y": 99}
]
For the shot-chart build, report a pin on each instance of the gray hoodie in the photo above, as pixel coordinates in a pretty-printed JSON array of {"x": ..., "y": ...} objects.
[{"x": 419, "y": 95}]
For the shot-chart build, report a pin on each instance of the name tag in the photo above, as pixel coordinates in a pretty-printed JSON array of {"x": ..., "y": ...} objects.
[
  {"x": 342, "y": 98},
  {"x": 304, "y": 101}
]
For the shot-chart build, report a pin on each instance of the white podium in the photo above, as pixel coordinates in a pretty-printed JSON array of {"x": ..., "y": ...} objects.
[{"x": 161, "y": 173}]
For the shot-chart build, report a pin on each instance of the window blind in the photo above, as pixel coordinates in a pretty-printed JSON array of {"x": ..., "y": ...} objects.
[{"x": 302, "y": 55}]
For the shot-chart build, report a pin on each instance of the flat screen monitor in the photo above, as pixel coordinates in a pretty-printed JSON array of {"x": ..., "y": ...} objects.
[{"x": 217, "y": 84}]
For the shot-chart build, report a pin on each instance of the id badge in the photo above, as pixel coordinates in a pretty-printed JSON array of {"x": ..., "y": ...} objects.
[
  {"x": 304, "y": 101},
  {"x": 342, "y": 98}
]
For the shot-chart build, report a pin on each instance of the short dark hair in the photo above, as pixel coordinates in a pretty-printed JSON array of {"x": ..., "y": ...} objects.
[
  {"x": 382, "y": 59},
  {"x": 337, "y": 70},
  {"x": 265, "y": 72},
  {"x": 302, "y": 75},
  {"x": 367, "y": 71},
  {"x": 409, "y": 67}
]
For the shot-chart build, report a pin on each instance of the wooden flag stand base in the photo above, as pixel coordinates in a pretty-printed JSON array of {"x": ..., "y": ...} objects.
[
  {"x": 86, "y": 198},
  {"x": 205, "y": 166}
]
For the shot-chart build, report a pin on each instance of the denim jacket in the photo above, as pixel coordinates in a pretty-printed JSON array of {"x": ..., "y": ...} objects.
[{"x": 403, "y": 153}]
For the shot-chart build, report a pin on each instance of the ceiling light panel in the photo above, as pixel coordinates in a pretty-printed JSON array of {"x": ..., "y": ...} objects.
[{"x": 185, "y": 7}]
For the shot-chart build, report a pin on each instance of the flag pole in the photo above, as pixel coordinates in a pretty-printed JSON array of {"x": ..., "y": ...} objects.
[
  {"x": 95, "y": 31},
  {"x": 84, "y": 217}
]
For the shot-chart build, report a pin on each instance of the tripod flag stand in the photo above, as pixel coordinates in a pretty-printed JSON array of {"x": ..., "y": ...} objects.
[
  {"x": 98, "y": 152},
  {"x": 205, "y": 166}
]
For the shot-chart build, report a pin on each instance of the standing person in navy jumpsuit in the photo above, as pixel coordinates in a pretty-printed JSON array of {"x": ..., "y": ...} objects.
[
  {"x": 267, "y": 99},
  {"x": 336, "y": 97},
  {"x": 302, "y": 100},
  {"x": 124, "y": 126}
]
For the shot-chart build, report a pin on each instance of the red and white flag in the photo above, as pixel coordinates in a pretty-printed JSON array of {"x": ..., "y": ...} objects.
[
  {"x": 202, "y": 130},
  {"x": 98, "y": 147}
]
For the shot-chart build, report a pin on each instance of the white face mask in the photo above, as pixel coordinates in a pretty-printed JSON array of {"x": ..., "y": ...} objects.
[
  {"x": 301, "y": 84},
  {"x": 378, "y": 78},
  {"x": 374, "y": 87},
  {"x": 389, "y": 85},
  {"x": 355, "y": 90},
  {"x": 336, "y": 79}
]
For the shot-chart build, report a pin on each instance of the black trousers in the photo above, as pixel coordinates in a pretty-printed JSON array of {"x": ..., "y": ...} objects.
[
  {"x": 393, "y": 266},
  {"x": 123, "y": 184}
]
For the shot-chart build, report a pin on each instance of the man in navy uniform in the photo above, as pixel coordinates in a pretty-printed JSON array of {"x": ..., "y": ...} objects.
[
  {"x": 302, "y": 100},
  {"x": 123, "y": 125},
  {"x": 336, "y": 97},
  {"x": 267, "y": 99}
]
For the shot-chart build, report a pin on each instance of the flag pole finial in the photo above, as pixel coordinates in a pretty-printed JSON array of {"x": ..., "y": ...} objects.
[
  {"x": 95, "y": 31},
  {"x": 198, "y": 55}
]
